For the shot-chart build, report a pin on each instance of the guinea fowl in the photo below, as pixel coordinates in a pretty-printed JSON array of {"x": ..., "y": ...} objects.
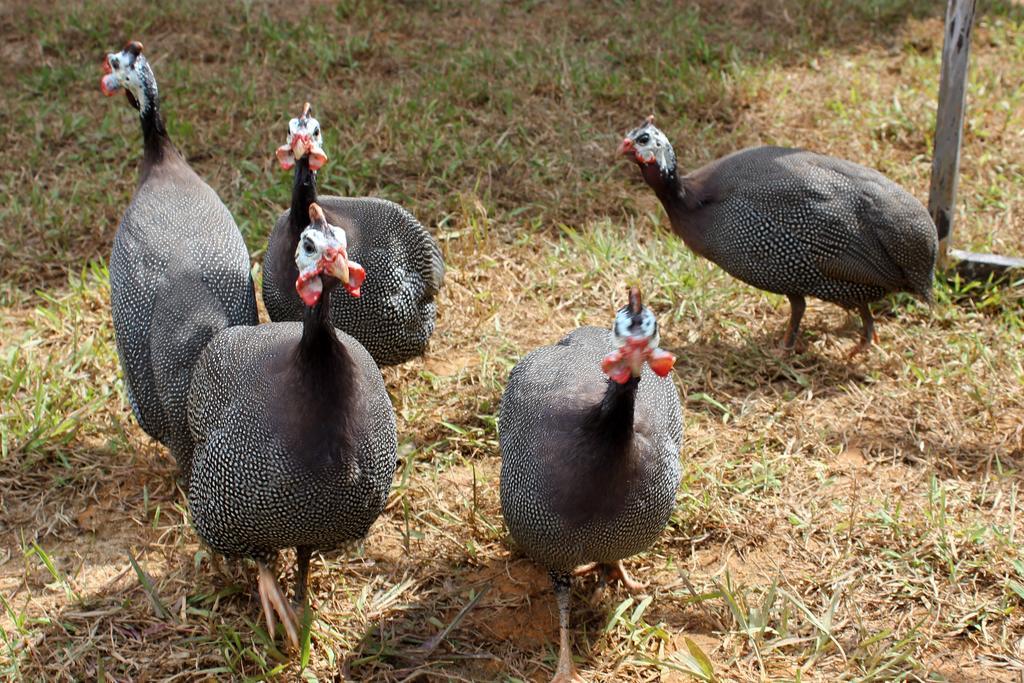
[
  {"x": 797, "y": 223},
  {"x": 590, "y": 431},
  {"x": 395, "y": 315},
  {"x": 295, "y": 433},
  {"x": 179, "y": 269}
]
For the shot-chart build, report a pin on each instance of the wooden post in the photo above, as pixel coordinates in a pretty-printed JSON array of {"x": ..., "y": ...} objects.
[
  {"x": 949, "y": 122},
  {"x": 949, "y": 127}
]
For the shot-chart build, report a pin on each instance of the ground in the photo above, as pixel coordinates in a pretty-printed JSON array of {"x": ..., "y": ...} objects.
[{"x": 837, "y": 520}]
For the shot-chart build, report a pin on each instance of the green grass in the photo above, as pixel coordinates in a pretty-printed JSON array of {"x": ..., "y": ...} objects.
[{"x": 836, "y": 521}]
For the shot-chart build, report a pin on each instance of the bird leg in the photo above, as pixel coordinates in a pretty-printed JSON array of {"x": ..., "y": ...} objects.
[
  {"x": 791, "y": 340},
  {"x": 868, "y": 334},
  {"x": 566, "y": 672},
  {"x": 303, "y": 554},
  {"x": 274, "y": 602}
]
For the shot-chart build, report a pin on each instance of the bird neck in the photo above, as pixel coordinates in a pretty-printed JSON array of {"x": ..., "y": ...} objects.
[
  {"x": 598, "y": 462},
  {"x": 324, "y": 370},
  {"x": 681, "y": 197},
  {"x": 156, "y": 142},
  {"x": 303, "y": 194},
  {"x": 611, "y": 420},
  {"x": 319, "y": 348},
  {"x": 666, "y": 185}
]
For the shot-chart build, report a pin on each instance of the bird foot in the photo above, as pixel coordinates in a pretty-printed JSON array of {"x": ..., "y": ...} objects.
[
  {"x": 788, "y": 346},
  {"x": 568, "y": 676},
  {"x": 616, "y": 572},
  {"x": 585, "y": 569},
  {"x": 609, "y": 572},
  {"x": 863, "y": 345},
  {"x": 275, "y": 603},
  {"x": 566, "y": 672}
]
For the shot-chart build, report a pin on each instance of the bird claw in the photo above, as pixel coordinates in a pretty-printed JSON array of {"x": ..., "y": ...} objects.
[
  {"x": 617, "y": 572},
  {"x": 609, "y": 572},
  {"x": 585, "y": 569},
  {"x": 787, "y": 346},
  {"x": 274, "y": 602},
  {"x": 863, "y": 345}
]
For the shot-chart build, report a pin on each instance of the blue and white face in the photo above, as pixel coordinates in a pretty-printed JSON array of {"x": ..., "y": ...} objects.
[
  {"x": 635, "y": 331},
  {"x": 635, "y": 323},
  {"x": 304, "y": 138},
  {"x": 129, "y": 69},
  {"x": 323, "y": 250},
  {"x": 648, "y": 145},
  {"x": 320, "y": 251},
  {"x": 321, "y": 246}
]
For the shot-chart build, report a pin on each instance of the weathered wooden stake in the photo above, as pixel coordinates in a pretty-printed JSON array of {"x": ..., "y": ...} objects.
[
  {"x": 949, "y": 122},
  {"x": 949, "y": 126}
]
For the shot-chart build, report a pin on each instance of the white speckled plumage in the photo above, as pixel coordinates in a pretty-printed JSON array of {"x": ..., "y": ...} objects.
[
  {"x": 295, "y": 441},
  {"x": 797, "y": 223},
  {"x": 252, "y": 492},
  {"x": 179, "y": 273},
  {"x": 590, "y": 453},
  {"x": 395, "y": 315},
  {"x": 548, "y": 395}
]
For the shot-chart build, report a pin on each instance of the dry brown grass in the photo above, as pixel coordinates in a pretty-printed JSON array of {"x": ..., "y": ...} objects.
[{"x": 836, "y": 521}]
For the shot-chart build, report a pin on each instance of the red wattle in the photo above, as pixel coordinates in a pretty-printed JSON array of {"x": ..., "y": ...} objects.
[
  {"x": 622, "y": 376},
  {"x": 309, "y": 286},
  {"x": 615, "y": 365},
  {"x": 356, "y": 277},
  {"x": 611, "y": 360},
  {"x": 317, "y": 159},
  {"x": 661, "y": 362},
  {"x": 285, "y": 157},
  {"x": 106, "y": 89}
]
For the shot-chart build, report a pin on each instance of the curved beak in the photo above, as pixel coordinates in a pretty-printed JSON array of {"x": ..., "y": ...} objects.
[
  {"x": 335, "y": 263},
  {"x": 635, "y": 352},
  {"x": 299, "y": 146},
  {"x": 335, "y": 260},
  {"x": 628, "y": 360},
  {"x": 626, "y": 147},
  {"x": 300, "y": 143},
  {"x": 351, "y": 274}
]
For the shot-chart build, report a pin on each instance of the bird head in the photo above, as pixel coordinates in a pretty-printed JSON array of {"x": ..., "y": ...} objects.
[
  {"x": 129, "y": 69},
  {"x": 635, "y": 331},
  {"x": 647, "y": 145},
  {"x": 322, "y": 259},
  {"x": 303, "y": 139}
]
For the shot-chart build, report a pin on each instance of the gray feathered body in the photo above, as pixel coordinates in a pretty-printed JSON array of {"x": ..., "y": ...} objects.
[
  {"x": 179, "y": 274},
  {"x": 799, "y": 223},
  {"x": 395, "y": 314},
  {"x": 265, "y": 476},
  {"x": 567, "y": 498}
]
